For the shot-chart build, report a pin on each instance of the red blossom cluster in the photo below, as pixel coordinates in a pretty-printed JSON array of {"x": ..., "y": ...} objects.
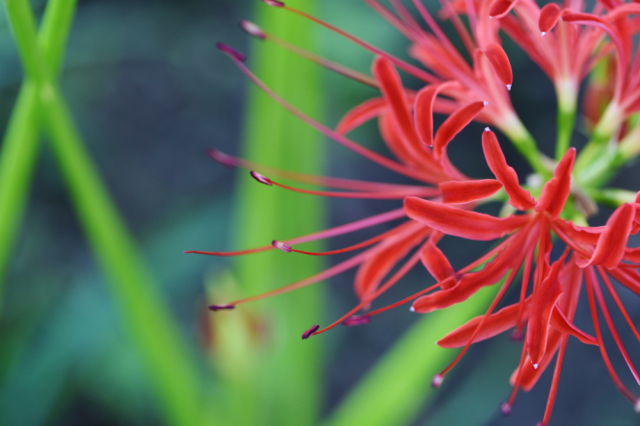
[{"x": 568, "y": 44}]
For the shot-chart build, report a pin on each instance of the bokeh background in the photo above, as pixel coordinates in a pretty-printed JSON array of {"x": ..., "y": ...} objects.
[{"x": 149, "y": 93}]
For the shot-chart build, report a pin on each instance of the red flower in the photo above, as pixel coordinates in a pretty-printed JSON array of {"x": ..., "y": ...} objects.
[
  {"x": 549, "y": 311},
  {"x": 442, "y": 202}
]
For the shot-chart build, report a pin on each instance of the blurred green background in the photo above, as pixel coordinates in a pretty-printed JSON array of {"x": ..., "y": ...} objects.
[{"x": 149, "y": 93}]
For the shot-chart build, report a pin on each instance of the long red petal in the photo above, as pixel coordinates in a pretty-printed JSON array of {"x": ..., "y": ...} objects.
[
  {"x": 461, "y": 223},
  {"x": 556, "y": 191},
  {"x": 460, "y": 192},
  {"x": 423, "y": 113},
  {"x": 394, "y": 93},
  {"x": 500, "y": 8},
  {"x": 518, "y": 197},
  {"x": 453, "y": 125},
  {"x": 544, "y": 300},
  {"x": 471, "y": 282},
  {"x": 612, "y": 242},
  {"x": 495, "y": 324},
  {"x": 373, "y": 270},
  {"x": 361, "y": 113},
  {"x": 561, "y": 323},
  {"x": 549, "y": 16},
  {"x": 500, "y": 63},
  {"x": 436, "y": 262}
]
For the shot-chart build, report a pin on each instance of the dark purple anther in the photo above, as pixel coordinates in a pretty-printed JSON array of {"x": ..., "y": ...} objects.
[
  {"x": 260, "y": 178},
  {"x": 221, "y": 157},
  {"x": 274, "y": 3},
  {"x": 356, "y": 320},
  {"x": 516, "y": 336},
  {"x": 309, "y": 332},
  {"x": 437, "y": 380},
  {"x": 505, "y": 409},
  {"x": 281, "y": 246},
  {"x": 231, "y": 52},
  {"x": 252, "y": 29},
  {"x": 216, "y": 308}
]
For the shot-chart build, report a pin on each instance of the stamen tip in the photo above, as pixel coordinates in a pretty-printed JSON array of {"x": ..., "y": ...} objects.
[
  {"x": 412, "y": 309},
  {"x": 252, "y": 29},
  {"x": 356, "y": 320},
  {"x": 216, "y": 308},
  {"x": 221, "y": 157},
  {"x": 437, "y": 380},
  {"x": 535, "y": 366},
  {"x": 505, "y": 409},
  {"x": 516, "y": 336},
  {"x": 636, "y": 406},
  {"x": 281, "y": 246},
  {"x": 261, "y": 178},
  {"x": 544, "y": 33},
  {"x": 274, "y": 3},
  {"x": 309, "y": 332},
  {"x": 235, "y": 55},
  {"x": 485, "y": 103},
  {"x": 509, "y": 87}
]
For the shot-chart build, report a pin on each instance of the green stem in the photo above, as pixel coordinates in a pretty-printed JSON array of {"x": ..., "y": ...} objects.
[
  {"x": 566, "y": 121},
  {"x": 20, "y": 144},
  {"x": 286, "y": 389},
  {"x": 17, "y": 164},
  {"x": 153, "y": 330},
  {"x": 526, "y": 145},
  {"x": 612, "y": 197},
  {"x": 608, "y": 123}
]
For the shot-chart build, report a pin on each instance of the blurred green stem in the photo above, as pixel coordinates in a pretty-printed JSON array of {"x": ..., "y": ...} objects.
[
  {"x": 20, "y": 144},
  {"x": 145, "y": 315},
  {"x": 286, "y": 389}
]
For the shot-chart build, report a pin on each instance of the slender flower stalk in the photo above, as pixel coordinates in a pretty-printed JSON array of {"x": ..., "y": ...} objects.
[{"x": 567, "y": 43}]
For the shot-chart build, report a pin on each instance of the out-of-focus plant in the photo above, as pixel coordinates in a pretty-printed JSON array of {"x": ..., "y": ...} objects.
[{"x": 41, "y": 108}]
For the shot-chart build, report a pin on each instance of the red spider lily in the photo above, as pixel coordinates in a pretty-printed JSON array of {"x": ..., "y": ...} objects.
[
  {"x": 615, "y": 20},
  {"x": 488, "y": 79},
  {"x": 442, "y": 201},
  {"x": 549, "y": 310},
  {"x": 565, "y": 52},
  {"x": 422, "y": 156}
]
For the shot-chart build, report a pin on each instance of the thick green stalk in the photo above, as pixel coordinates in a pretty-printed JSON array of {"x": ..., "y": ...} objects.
[
  {"x": 566, "y": 120},
  {"x": 526, "y": 145},
  {"x": 153, "y": 330},
  {"x": 20, "y": 144},
  {"x": 286, "y": 389},
  {"x": 399, "y": 385}
]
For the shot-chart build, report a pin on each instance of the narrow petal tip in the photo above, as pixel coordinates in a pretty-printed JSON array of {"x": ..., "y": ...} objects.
[
  {"x": 505, "y": 409},
  {"x": 309, "y": 332},
  {"x": 543, "y": 33},
  {"x": 487, "y": 129},
  {"x": 216, "y": 308},
  {"x": 485, "y": 103},
  {"x": 221, "y": 157},
  {"x": 509, "y": 87},
  {"x": 356, "y": 320},
  {"x": 437, "y": 380},
  {"x": 281, "y": 246},
  {"x": 412, "y": 309},
  {"x": 274, "y": 3},
  {"x": 252, "y": 29},
  {"x": 235, "y": 55},
  {"x": 535, "y": 366},
  {"x": 261, "y": 178}
]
